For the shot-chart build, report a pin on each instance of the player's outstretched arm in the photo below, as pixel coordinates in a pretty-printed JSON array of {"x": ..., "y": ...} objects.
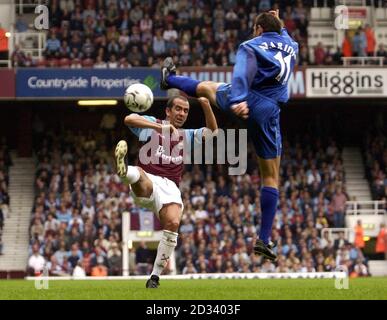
[
  {"x": 275, "y": 13},
  {"x": 208, "y": 114},
  {"x": 136, "y": 121},
  {"x": 284, "y": 32},
  {"x": 243, "y": 75}
]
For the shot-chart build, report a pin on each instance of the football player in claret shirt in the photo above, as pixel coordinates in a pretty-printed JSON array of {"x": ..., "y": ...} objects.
[{"x": 155, "y": 181}]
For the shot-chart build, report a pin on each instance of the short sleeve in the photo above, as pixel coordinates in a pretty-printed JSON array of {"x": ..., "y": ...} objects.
[
  {"x": 195, "y": 135},
  {"x": 142, "y": 133}
]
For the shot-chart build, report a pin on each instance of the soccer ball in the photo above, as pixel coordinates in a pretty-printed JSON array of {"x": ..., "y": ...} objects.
[{"x": 138, "y": 97}]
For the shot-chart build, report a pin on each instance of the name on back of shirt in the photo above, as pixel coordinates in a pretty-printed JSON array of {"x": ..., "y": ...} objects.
[{"x": 279, "y": 46}]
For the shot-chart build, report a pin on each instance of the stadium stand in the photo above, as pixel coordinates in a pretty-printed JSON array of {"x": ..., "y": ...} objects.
[
  {"x": 138, "y": 33},
  {"x": 5, "y": 163},
  {"x": 195, "y": 33},
  {"x": 375, "y": 158},
  {"x": 76, "y": 218}
]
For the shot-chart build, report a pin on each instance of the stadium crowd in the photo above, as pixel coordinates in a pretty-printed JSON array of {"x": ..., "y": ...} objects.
[
  {"x": 5, "y": 163},
  {"x": 76, "y": 218},
  {"x": 123, "y": 33},
  {"x": 375, "y": 154}
]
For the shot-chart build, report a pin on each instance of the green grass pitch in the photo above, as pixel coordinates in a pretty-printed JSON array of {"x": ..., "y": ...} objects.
[{"x": 256, "y": 289}]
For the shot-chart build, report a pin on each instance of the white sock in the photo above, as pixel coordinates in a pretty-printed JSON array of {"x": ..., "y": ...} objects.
[
  {"x": 133, "y": 174},
  {"x": 166, "y": 247}
]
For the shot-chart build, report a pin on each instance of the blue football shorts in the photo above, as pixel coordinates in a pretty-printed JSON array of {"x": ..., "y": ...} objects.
[{"x": 263, "y": 122}]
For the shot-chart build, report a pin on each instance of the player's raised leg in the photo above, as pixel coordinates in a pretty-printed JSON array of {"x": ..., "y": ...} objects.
[
  {"x": 191, "y": 87},
  {"x": 134, "y": 176},
  {"x": 269, "y": 169},
  {"x": 170, "y": 216}
]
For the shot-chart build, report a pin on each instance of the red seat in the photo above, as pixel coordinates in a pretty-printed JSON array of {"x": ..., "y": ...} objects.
[
  {"x": 87, "y": 62},
  {"x": 64, "y": 62},
  {"x": 53, "y": 63},
  {"x": 42, "y": 63}
]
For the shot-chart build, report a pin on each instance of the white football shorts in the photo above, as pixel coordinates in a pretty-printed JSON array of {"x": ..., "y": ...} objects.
[{"x": 165, "y": 191}]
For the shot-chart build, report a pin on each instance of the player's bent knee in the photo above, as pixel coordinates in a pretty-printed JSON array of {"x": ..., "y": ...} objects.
[{"x": 172, "y": 225}]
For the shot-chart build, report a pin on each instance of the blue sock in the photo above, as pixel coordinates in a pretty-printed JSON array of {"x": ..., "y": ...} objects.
[
  {"x": 269, "y": 199},
  {"x": 185, "y": 84}
]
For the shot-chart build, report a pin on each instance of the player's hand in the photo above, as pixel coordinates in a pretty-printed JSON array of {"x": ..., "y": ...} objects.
[
  {"x": 168, "y": 128},
  {"x": 275, "y": 13},
  {"x": 204, "y": 102},
  {"x": 241, "y": 109}
]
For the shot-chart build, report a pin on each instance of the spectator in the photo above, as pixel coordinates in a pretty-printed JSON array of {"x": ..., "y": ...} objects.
[
  {"x": 170, "y": 33},
  {"x": 338, "y": 201},
  {"x": 360, "y": 269},
  {"x": 189, "y": 269},
  {"x": 143, "y": 259},
  {"x": 52, "y": 45},
  {"x": 303, "y": 57},
  {"x": 36, "y": 262},
  {"x": 136, "y": 14},
  {"x": 100, "y": 64},
  {"x": 359, "y": 235},
  {"x": 55, "y": 269},
  {"x": 18, "y": 57},
  {"x": 51, "y": 225},
  {"x": 112, "y": 63},
  {"x": 79, "y": 271},
  {"x": 340, "y": 242},
  {"x": 115, "y": 260},
  {"x": 61, "y": 253},
  {"x": 100, "y": 270},
  {"x": 211, "y": 63},
  {"x": 359, "y": 43},
  {"x": 37, "y": 230},
  {"x": 382, "y": 52},
  {"x": 319, "y": 54},
  {"x": 347, "y": 45},
  {"x": 381, "y": 242},
  {"x": 371, "y": 42},
  {"x": 88, "y": 48}
]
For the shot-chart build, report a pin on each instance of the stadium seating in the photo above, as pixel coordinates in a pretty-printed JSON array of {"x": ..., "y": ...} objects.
[
  {"x": 119, "y": 26},
  {"x": 375, "y": 154},
  {"x": 79, "y": 201},
  {"x": 5, "y": 163},
  {"x": 201, "y": 35}
]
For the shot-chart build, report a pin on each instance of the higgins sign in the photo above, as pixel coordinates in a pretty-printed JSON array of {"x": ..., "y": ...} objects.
[
  {"x": 85, "y": 83},
  {"x": 346, "y": 82},
  {"x": 296, "y": 83}
]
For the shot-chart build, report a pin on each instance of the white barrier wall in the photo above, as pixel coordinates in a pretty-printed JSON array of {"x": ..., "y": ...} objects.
[{"x": 7, "y": 15}]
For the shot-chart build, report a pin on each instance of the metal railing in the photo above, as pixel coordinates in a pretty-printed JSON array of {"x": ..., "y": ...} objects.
[
  {"x": 30, "y": 42},
  {"x": 365, "y": 207},
  {"x": 21, "y": 5},
  {"x": 363, "y": 61},
  {"x": 5, "y": 64},
  {"x": 349, "y": 233}
]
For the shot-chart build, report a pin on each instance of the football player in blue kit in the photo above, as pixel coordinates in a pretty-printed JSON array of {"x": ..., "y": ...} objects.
[{"x": 258, "y": 90}]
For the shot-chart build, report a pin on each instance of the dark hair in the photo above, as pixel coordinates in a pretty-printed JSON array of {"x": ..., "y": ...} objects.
[
  {"x": 268, "y": 22},
  {"x": 172, "y": 99}
]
